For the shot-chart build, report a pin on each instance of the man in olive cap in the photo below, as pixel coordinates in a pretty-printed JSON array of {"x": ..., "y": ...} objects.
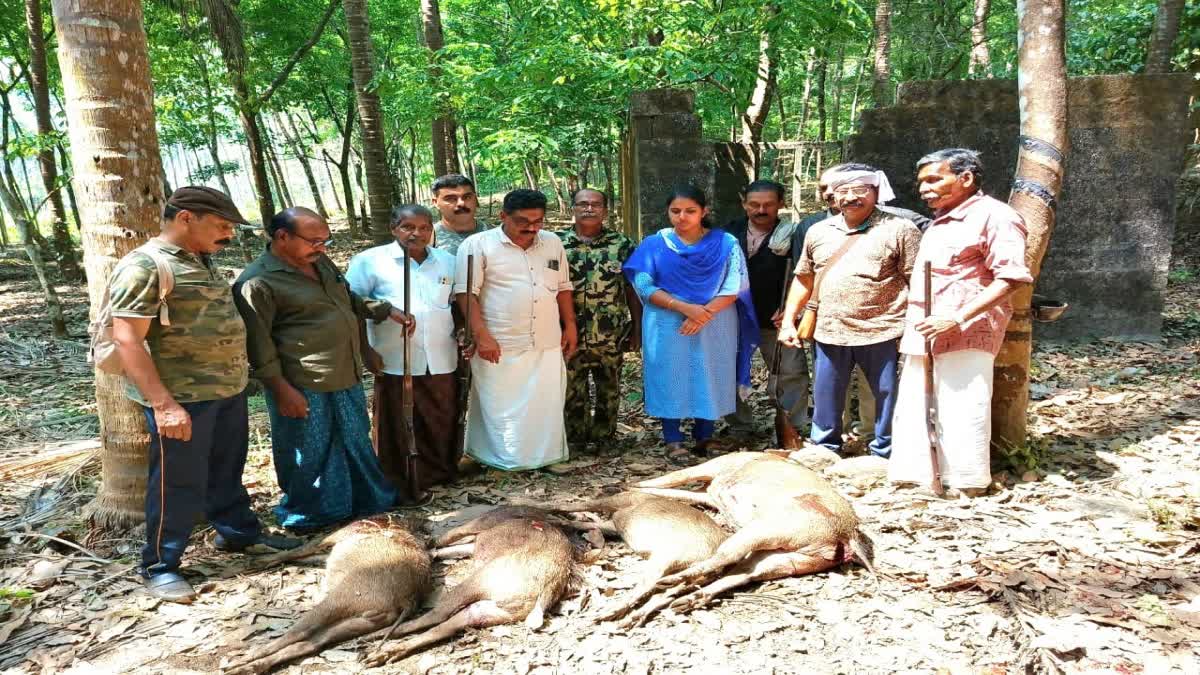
[{"x": 190, "y": 384}]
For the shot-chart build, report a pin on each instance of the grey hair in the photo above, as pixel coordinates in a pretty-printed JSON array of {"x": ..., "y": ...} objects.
[
  {"x": 961, "y": 160},
  {"x": 399, "y": 213}
]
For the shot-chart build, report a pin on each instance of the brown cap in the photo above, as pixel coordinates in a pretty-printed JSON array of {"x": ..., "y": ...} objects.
[{"x": 201, "y": 199}]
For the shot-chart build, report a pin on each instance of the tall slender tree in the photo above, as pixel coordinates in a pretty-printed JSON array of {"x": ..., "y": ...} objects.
[
  {"x": 755, "y": 117},
  {"x": 445, "y": 138},
  {"x": 1042, "y": 82},
  {"x": 882, "y": 89},
  {"x": 39, "y": 85},
  {"x": 114, "y": 145},
  {"x": 981, "y": 57},
  {"x": 370, "y": 117},
  {"x": 1162, "y": 36}
]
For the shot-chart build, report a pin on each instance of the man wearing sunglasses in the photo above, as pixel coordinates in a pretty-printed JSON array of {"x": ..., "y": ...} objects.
[
  {"x": 854, "y": 273},
  {"x": 306, "y": 341}
]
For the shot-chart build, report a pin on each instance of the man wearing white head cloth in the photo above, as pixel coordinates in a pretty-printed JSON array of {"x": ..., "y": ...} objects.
[{"x": 854, "y": 274}]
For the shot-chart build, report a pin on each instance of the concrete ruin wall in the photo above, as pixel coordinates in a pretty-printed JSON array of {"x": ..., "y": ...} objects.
[{"x": 1111, "y": 249}]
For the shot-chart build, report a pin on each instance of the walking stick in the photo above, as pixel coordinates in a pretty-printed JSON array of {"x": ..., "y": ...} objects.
[
  {"x": 464, "y": 365},
  {"x": 930, "y": 396},
  {"x": 777, "y": 355},
  {"x": 406, "y": 399}
]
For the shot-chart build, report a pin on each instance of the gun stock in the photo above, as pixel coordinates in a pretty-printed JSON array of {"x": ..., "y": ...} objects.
[{"x": 931, "y": 410}]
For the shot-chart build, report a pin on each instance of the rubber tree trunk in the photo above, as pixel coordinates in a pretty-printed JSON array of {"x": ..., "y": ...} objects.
[
  {"x": 64, "y": 248},
  {"x": 211, "y": 138},
  {"x": 882, "y": 88},
  {"x": 1042, "y": 88},
  {"x": 370, "y": 116},
  {"x": 822, "y": 71},
  {"x": 287, "y": 127},
  {"x": 759, "y": 107},
  {"x": 444, "y": 136},
  {"x": 1162, "y": 36},
  {"x": 981, "y": 57},
  {"x": 117, "y": 169}
]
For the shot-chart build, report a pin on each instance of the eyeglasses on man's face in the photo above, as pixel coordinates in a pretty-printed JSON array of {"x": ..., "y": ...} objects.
[
  {"x": 852, "y": 191},
  {"x": 315, "y": 243}
]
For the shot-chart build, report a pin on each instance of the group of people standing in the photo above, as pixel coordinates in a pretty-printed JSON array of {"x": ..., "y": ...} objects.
[{"x": 549, "y": 318}]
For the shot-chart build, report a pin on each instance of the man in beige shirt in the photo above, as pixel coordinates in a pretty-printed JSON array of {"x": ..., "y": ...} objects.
[
  {"x": 523, "y": 320},
  {"x": 856, "y": 264}
]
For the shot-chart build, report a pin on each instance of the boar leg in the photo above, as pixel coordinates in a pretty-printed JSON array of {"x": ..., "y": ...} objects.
[
  {"x": 478, "y": 615},
  {"x": 701, "y": 473},
  {"x": 455, "y": 551},
  {"x": 733, "y": 550},
  {"x": 760, "y": 566},
  {"x": 306, "y": 640},
  {"x": 604, "y": 527},
  {"x": 702, "y": 498},
  {"x": 644, "y": 589}
]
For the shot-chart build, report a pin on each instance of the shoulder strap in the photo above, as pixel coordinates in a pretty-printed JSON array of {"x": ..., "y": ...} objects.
[
  {"x": 851, "y": 239},
  {"x": 166, "y": 280}
]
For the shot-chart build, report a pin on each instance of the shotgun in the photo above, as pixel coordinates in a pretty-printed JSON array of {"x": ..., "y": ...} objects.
[
  {"x": 931, "y": 410},
  {"x": 406, "y": 402},
  {"x": 464, "y": 365}
]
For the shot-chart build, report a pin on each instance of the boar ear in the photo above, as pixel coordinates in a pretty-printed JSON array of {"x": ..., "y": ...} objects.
[{"x": 864, "y": 550}]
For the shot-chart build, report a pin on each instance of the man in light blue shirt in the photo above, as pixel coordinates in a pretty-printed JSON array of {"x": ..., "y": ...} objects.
[{"x": 378, "y": 273}]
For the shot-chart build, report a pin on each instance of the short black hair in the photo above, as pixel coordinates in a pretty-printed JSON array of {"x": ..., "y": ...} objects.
[
  {"x": 403, "y": 211},
  {"x": 169, "y": 212},
  {"x": 687, "y": 191},
  {"x": 575, "y": 195},
  {"x": 523, "y": 198},
  {"x": 961, "y": 160},
  {"x": 451, "y": 180},
  {"x": 764, "y": 186}
]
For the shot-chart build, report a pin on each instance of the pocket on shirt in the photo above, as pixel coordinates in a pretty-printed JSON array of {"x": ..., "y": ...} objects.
[
  {"x": 550, "y": 279},
  {"x": 442, "y": 298}
]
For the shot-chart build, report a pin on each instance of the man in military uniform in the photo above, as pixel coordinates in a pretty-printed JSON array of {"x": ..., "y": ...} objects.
[
  {"x": 455, "y": 198},
  {"x": 608, "y": 315},
  {"x": 190, "y": 384}
]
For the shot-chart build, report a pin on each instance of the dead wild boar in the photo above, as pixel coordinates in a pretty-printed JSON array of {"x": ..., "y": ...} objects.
[
  {"x": 671, "y": 535},
  {"x": 377, "y": 574},
  {"x": 790, "y": 521},
  {"x": 523, "y": 565}
]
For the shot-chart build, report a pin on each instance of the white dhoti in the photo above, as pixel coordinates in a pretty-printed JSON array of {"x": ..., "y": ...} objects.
[
  {"x": 516, "y": 416},
  {"x": 962, "y": 382}
]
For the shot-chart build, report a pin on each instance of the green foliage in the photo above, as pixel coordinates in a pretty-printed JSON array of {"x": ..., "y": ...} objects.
[{"x": 209, "y": 171}]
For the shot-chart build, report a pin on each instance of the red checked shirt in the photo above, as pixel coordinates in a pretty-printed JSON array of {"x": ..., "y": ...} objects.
[{"x": 980, "y": 240}]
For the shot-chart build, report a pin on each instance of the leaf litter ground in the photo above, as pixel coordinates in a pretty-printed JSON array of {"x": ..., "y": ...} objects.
[{"x": 1085, "y": 563}]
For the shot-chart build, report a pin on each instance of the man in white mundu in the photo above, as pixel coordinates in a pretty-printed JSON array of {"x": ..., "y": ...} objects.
[{"x": 523, "y": 319}]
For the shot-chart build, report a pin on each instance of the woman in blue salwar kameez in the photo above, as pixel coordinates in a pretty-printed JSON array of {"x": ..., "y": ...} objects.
[{"x": 698, "y": 327}]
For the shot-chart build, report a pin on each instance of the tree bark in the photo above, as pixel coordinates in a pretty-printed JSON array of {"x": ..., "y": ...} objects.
[
  {"x": 1162, "y": 36},
  {"x": 210, "y": 136},
  {"x": 839, "y": 75},
  {"x": 822, "y": 69},
  {"x": 68, "y": 184},
  {"x": 370, "y": 116},
  {"x": 64, "y": 248},
  {"x": 882, "y": 89},
  {"x": 808, "y": 81},
  {"x": 1042, "y": 82},
  {"x": 755, "y": 117},
  {"x": 110, "y": 113},
  {"x": 444, "y": 137},
  {"x": 981, "y": 58}
]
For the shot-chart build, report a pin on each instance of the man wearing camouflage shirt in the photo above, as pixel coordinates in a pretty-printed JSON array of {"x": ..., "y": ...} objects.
[
  {"x": 608, "y": 316},
  {"x": 190, "y": 384}
]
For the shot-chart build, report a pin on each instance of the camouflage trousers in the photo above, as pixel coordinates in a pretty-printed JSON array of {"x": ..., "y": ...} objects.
[{"x": 604, "y": 369}]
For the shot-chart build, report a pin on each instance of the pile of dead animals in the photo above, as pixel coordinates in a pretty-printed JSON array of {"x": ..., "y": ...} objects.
[{"x": 786, "y": 521}]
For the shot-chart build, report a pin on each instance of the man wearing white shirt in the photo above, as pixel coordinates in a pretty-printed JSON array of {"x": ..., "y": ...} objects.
[
  {"x": 524, "y": 328},
  {"x": 378, "y": 273}
]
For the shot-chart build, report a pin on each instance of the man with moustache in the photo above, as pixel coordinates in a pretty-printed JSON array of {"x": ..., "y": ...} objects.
[
  {"x": 455, "y": 198},
  {"x": 183, "y": 354},
  {"x": 976, "y": 245},
  {"x": 608, "y": 318},
  {"x": 378, "y": 274},
  {"x": 305, "y": 341},
  {"x": 863, "y": 257},
  {"x": 523, "y": 320},
  {"x": 768, "y": 270}
]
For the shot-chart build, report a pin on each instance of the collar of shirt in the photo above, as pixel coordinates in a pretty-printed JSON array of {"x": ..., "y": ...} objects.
[
  {"x": 393, "y": 250},
  {"x": 441, "y": 224},
  {"x": 602, "y": 239},
  {"x": 840, "y": 220},
  {"x": 959, "y": 212},
  {"x": 537, "y": 240}
]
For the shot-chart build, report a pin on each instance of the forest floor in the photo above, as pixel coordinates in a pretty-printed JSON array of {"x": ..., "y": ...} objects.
[{"x": 1082, "y": 560}]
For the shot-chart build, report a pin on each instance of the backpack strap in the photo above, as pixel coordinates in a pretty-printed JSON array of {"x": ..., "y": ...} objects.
[{"x": 166, "y": 280}]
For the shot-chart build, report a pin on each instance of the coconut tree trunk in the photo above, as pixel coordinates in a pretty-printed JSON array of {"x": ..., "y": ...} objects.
[
  {"x": 370, "y": 115},
  {"x": 110, "y": 114},
  {"x": 64, "y": 249},
  {"x": 1042, "y": 78},
  {"x": 882, "y": 89},
  {"x": 1162, "y": 36},
  {"x": 445, "y": 140},
  {"x": 981, "y": 58}
]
